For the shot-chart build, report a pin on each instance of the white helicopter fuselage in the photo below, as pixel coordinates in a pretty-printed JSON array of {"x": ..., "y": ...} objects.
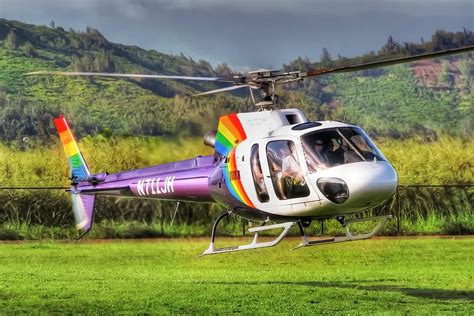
[{"x": 357, "y": 178}]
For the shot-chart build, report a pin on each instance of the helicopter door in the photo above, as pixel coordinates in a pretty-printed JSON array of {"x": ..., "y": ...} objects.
[
  {"x": 257, "y": 175},
  {"x": 288, "y": 177}
]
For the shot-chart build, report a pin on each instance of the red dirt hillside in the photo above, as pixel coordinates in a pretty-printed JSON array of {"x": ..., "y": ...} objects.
[{"x": 427, "y": 73}]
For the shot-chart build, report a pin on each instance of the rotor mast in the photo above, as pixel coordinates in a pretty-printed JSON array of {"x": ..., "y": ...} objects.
[
  {"x": 269, "y": 99},
  {"x": 265, "y": 81}
]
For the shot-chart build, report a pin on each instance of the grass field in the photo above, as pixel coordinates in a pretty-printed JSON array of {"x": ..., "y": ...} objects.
[{"x": 418, "y": 275}]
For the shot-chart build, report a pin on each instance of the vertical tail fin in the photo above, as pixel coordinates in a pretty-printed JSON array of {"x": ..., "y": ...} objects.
[
  {"x": 77, "y": 164},
  {"x": 82, "y": 204},
  {"x": 83, "y": 208}
]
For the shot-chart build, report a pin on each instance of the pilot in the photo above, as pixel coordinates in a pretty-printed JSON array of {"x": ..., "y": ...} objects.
[
  {"x": 351, "y": 156},
  {"x": 363, "y": 147}
]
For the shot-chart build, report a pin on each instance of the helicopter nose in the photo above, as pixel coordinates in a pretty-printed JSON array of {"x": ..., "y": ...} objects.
[{"x": 371, "y": 183}]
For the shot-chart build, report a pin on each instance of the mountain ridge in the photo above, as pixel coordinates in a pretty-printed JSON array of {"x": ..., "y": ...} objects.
[{"x": 154, "y": 107}]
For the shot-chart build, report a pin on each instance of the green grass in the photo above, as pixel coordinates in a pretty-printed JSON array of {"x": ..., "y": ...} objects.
[{"x": 427, "y": 275}]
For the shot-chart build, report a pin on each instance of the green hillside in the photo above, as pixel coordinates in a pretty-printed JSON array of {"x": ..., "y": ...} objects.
[
  {"x": 425, "y": 97},
  {"x": 389, "y": 101},
  {"x": 143, "y": 107},
  {"x": 396, "y": 105}
]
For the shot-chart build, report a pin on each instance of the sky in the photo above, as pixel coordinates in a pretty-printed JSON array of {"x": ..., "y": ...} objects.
[{"x": 250, "y": 34}]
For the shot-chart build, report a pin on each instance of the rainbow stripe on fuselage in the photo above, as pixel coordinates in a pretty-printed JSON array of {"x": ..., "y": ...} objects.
[
  {"x": 229, "y": 134},
  {"x": 77, "y": 164}
]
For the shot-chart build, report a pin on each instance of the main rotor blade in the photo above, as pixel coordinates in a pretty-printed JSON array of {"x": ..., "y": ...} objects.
[
  {"x": 119, "y": 75},
  {"x": 401, "y": 60},
  {"x": 34, "y": 188},
  {"x": 221, "y": 90}
]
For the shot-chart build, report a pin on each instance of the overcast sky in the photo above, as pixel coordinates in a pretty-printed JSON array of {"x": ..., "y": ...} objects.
[{"x": 251, "y": 33}]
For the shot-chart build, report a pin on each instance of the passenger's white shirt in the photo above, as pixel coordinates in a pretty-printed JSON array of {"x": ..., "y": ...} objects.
[{"x": 290, "y": 165}]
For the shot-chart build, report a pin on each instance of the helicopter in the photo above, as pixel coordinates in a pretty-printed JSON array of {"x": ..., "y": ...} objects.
[{"x": 272, "y": 165}]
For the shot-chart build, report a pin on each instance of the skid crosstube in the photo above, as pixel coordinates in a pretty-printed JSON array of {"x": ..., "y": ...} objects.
[
  {"x": 382, "y": 220},
  {"x": 254, "y": 244}
]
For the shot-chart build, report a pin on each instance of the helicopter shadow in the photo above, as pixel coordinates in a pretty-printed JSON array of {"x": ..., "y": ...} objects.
[{"x": 435, "y": 294}]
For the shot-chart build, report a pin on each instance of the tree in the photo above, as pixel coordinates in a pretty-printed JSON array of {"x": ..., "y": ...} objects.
[
  {"x": 325, "y": 58},
  {"x": 52, "y": 24},
  {"x": 29, "y": 49},
  {"x": 444, "y": 74},
  {"x": 103, "y": 62},
  {"x": 300, "y": 63},
  {"x": 12, "y": 40},
  {"x": 391, "y": 47},
  {"x": 223, "y": 70},
  {"x": 466, "y": 67}
]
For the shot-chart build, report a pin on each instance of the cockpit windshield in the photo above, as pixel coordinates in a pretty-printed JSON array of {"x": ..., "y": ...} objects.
[{"x": 338, "y": 146}]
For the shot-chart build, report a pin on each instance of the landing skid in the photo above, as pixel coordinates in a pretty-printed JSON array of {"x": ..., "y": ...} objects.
[
  {"x": 286, "y": 227},
  {"x": 254, "y": 244},
  {"x": 382, "y": 220}
]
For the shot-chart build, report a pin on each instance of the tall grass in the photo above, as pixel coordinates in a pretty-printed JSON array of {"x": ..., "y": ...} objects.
[
  {"x": 29, "y": 214},
  {"x": 447, "y": 160}
]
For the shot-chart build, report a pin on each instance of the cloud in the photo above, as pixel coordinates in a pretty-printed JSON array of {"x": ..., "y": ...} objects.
[
  {"x": 304, "y": 7},
  {"x": 263, "y": 33},
  {"x": 141, "y": 8}
]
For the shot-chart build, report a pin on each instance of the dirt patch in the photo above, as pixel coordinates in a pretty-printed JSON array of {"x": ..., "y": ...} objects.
[{"x": 427, "y": 73}]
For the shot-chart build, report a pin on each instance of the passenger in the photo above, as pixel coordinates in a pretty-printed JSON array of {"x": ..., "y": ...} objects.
[
  {"x": 258, "y": 175},
  {"x": 321, "y": 154},
  {"x": 310, "y": 158},
  {"x": 290, "y": 166},
  {"x": 275, "y": 162},
  {"x": 336, "y": 156}
]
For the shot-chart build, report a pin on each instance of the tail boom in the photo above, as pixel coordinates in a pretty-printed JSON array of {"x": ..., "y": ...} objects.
[{"x": 159, "y": 182}]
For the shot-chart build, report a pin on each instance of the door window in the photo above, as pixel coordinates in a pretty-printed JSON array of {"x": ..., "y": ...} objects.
[
  {"x": 257, "y": 175},
  {"x": 285, "y": 170}
]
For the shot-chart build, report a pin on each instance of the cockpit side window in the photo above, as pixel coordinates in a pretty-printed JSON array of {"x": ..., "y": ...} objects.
[
  {"x": 257, "y": 175},
  {"x": 362, "y": 143},
  {"x": 338, "y": 146},
  {"x": 285, "y": 170},
  {"x": 327, "y": 149}
]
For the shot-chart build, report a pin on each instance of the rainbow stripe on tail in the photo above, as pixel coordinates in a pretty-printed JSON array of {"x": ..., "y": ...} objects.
[
  {"x": 77, "y": 164},
  {"x": 82, "y": 204}
]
